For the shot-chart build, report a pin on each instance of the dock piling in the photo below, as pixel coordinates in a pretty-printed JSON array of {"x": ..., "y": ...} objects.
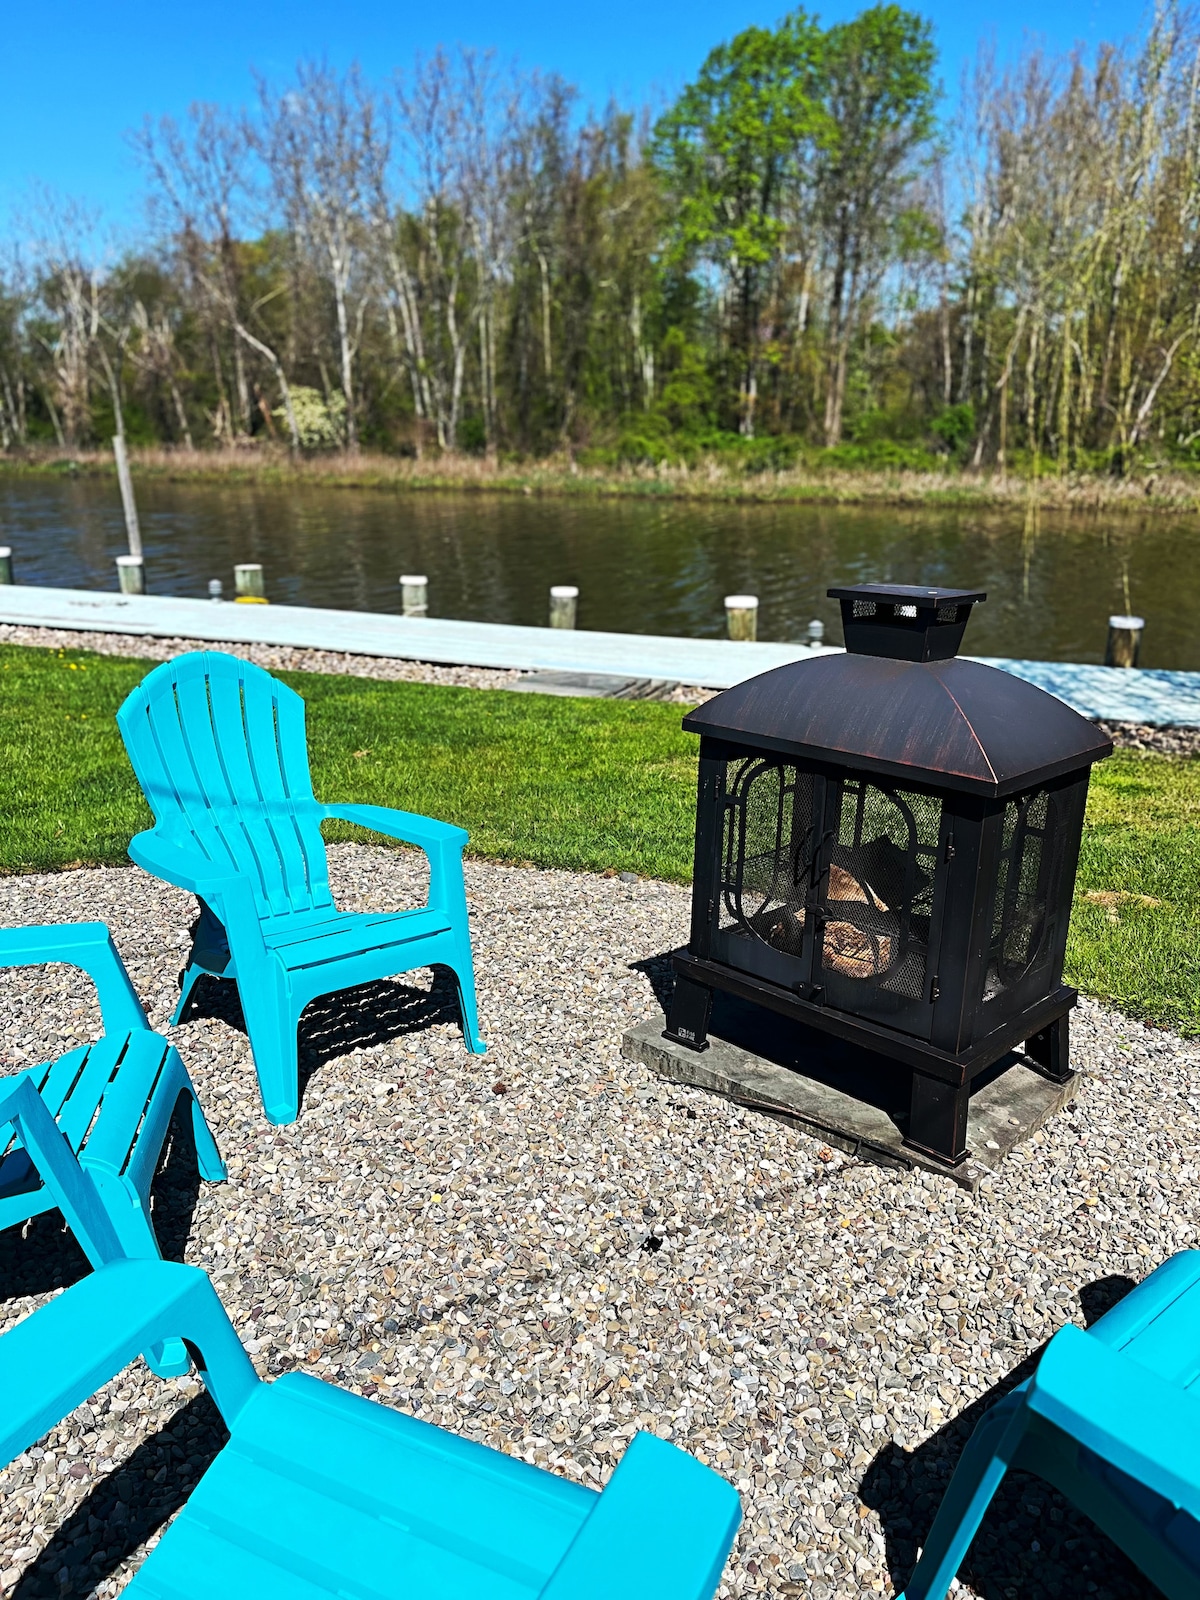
[
  {"x": 215, "y": 586},
  {"x": 248, "y": 581},
  {"x": 816, "y": 634},
  {"x": 741, "y": 616},
  {"x": 414, "y": 594},
  {"x": 131, "y": 574},
  {"x": 564, "y": 598},
  {"x": 6, "y": 563},
  {"x": 1124, "y": 641}
]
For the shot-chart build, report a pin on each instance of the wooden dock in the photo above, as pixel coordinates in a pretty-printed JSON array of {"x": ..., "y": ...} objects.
[{"x": 1157, "y": 698}]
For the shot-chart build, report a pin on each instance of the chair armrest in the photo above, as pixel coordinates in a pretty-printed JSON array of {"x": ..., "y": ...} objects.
[
  {"x": 1113, "y": 1405},
  {"x": 661, "y": 1530},
  {"x": 89, "y": 946},
  {"x": 425, "y": 832},
  {"x": 65, "y": 1351},
  {"x": 187, "y": 869}
]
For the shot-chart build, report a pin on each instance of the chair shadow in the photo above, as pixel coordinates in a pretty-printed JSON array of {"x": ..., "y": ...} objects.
[
  {"x": 333, "y": 1025},
  {"x": 126, "y": 1506},
  {"x": 1033, "y": 1541},
  {"x": 42, "y": 1255}
]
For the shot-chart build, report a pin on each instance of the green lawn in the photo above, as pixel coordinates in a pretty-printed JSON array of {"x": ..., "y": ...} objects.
[{"x": 584, "y": 784}]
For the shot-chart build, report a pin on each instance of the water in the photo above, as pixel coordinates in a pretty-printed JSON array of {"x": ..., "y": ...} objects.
[{"x": 641, "y": 566}]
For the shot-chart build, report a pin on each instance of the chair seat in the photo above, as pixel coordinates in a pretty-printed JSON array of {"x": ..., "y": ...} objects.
[
  {"x": 118, "y": 1074},
  {"x": 320, "y": 1492},
  {"x": 1158, "y": 1323},
  {"x": 316, "y": 939}
]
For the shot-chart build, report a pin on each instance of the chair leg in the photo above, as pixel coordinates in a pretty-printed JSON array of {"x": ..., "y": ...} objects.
[
  {"x": 130, "y": 1216},
  {"x": 190, "y": 975},
  {"x": 464, "y": 973},
  {"x": 978, "y": 1475},
  {"x": 272, "y": 1029},
  {"x": 208, "y": 1157}
]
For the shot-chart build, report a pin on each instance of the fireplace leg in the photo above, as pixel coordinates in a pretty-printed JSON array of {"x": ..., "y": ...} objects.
[
  {"x": 1051, "y": 1049},
  {"x": 937, "y": 1119},
  {"x": 687, "y": 1022}
]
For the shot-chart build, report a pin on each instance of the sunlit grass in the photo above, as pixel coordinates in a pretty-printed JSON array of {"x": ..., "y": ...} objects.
[{"x": 589, "y": 785}]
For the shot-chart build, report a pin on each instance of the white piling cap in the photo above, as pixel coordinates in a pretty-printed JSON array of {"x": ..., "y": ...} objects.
[
  {"x": 5, "y": 550},
  {"x": 741, "y": 602},
  {"x": 247, "y": 566},
  {"x": 129, "y": 561},
  {"x": 563, "y": 591},
  {"x": 412, "y": 580},
  {"x": 1127, "y": 622}
]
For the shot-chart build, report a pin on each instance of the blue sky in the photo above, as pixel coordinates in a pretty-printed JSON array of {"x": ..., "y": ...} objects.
[{"x": 75, "y": 76}]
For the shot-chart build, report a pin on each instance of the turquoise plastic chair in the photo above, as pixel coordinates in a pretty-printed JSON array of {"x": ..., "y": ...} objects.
[
  {"x": 219, "y": 749},
  {"x": 110, "y": 1102},
  {"x": 1111, "y": 1418},
  {"x": 320, "y": 1492}
]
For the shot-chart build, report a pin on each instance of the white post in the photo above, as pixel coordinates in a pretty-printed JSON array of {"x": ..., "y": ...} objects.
[
  {"x": 741, "y": 616},
  {"x": 563, "y": 600},
  {"x": 215, "y": 587},
  {"x": 414, "y": 594},
  {"x": 1124, "y": 641},
  {"x": 816, "y": 633},
  {"x": 125, "y": 480},
  {"x": 248, "y": 580},
  {"x": 131, "y": 575},
  {"x": 6, "y": 563}
]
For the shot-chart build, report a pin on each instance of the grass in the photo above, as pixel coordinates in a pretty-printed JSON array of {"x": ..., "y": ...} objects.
[
  {"x": 589, "y": 785},
  {"x": 710, "y": 479}
]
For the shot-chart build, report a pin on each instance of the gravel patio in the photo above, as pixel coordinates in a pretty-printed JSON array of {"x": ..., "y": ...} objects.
[{"x": 547, "y": 1248}]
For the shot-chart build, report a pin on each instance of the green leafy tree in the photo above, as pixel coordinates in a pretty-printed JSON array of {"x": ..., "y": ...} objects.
[
  {"x": 878, "y": 101},
  {"x": 730, "y": 153}
]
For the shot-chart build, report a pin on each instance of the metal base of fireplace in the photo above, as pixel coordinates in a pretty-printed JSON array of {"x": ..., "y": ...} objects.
[{"x": 941, "y": 1084}]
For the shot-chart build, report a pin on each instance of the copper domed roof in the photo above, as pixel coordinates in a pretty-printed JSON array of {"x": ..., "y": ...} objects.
[{"x": 947, "y": 722}]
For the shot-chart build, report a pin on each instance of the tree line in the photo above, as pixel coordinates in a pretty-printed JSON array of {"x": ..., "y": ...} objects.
[{"x": 799, "y": 255}]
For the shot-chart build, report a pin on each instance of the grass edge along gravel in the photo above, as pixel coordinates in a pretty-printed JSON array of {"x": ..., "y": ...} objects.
[{"x": 585, "y": 785}]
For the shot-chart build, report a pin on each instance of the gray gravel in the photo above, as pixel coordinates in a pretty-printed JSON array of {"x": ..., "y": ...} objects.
[{"x": 548, "y": 1248}]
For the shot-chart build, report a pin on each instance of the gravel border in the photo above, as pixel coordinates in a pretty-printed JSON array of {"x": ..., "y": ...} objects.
[{"x": 548, "y": 1248}]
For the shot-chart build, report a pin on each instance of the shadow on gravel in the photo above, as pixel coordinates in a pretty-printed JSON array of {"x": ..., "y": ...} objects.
[
  {"x": 350, "y": 1019},
  {"x": 41, "y": 1255},
  {"x": 1032, "y": 1542},
  {"x": 127, "y": 1505}
]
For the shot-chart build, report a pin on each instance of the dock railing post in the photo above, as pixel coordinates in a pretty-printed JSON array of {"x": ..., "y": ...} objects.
[
  {"x": 741, "y": 616},
  {"x": 248, "y": 581},
  {"x": 6, "y": 563},
  {"x": 1124, "y": 641},
  {"x": 131, "y": 574},
  {"x": 125, "y": 479},
  {"x": 414, "y": 594},
  {"x": 564, "y": 598}
]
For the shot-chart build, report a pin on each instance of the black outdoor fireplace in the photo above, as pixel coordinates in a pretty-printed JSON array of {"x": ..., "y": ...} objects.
[{"x": 886, "y": 844}]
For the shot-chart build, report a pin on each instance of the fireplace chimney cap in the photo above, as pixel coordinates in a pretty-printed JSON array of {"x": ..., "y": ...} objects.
[{"x": 904, "y": 621}]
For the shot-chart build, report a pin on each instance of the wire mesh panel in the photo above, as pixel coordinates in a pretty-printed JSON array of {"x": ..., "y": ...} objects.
[
  {"x": 768, "y": 851},
  {"x": 877, "y": 907},
  {"x": 1026, "y": 892}
]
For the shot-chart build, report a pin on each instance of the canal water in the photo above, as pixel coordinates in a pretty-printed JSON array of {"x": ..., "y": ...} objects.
[{"x": 642, "y": 566}]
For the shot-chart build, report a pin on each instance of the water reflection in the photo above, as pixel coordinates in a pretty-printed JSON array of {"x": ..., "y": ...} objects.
[{"x": 641, "y": 566}]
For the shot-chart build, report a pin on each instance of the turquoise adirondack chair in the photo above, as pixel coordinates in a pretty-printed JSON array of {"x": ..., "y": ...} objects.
[
  {"x": 112, "y": 1101},
  {"x": 320, "y": 1492},
  {"x": 219, "y": 749},
  {"x": 1111, "y": 1418}
]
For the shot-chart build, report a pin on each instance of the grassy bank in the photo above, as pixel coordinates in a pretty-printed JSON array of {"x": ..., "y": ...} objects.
[
  {"x": 710, "y": 480},
  {"x": 590, "y": 785}
]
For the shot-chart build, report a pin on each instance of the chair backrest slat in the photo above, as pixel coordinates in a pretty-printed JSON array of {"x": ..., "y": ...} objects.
[{"x": 219, "y": 748}]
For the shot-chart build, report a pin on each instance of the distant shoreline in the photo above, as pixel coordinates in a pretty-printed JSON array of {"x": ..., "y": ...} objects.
[{"x": 710, "y": 481}]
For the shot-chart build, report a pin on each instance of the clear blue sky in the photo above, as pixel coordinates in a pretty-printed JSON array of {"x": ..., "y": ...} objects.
[{"x": 75, "y": 76}]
